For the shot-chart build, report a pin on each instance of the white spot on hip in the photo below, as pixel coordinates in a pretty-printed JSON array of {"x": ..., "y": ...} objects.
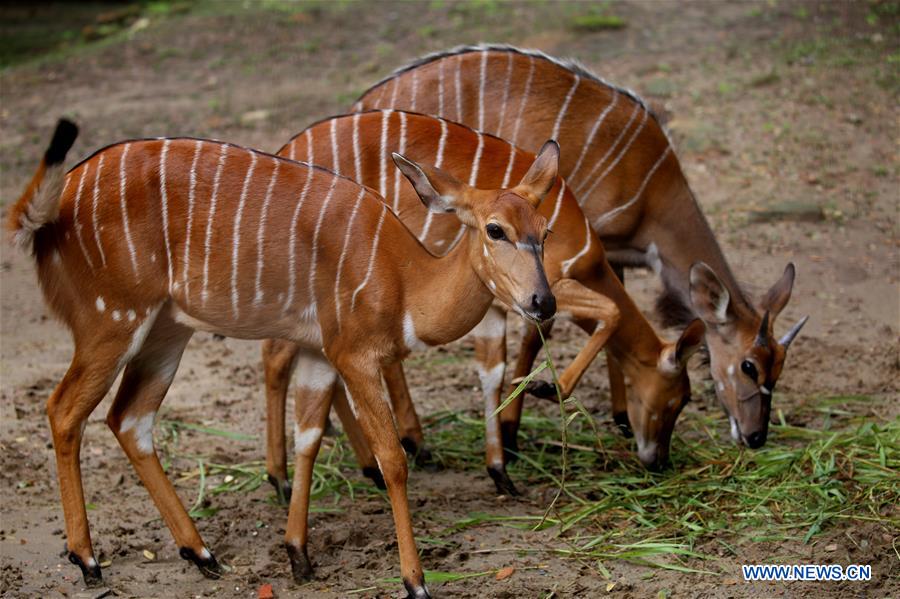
[
  {"x": 142, "y": 429},
  {"x": 101, "y": 305},
  {"x": 131, "y": 315},
  {"x": 116, "y": 315}
]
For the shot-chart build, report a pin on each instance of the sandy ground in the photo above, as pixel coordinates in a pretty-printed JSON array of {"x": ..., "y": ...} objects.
[{"x": 773, "y": 106}]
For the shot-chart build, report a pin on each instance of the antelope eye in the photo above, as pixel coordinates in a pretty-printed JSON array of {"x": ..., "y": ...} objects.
[
  {"x": 749, "y": 369},
  {"x": 495, "y": 231}
]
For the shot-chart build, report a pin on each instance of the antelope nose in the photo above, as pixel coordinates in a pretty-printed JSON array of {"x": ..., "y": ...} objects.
[
  {"x": 756, "y": 440},
  {"x": 543, "y": 305}
]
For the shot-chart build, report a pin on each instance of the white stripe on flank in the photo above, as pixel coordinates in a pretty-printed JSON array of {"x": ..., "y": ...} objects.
[
  {"x": 340, "y": 267},
  {"x": 236, "y": 236},
  {"x": 190, "y": 221},
  {"x": 609, "y": 150},
  {"x": 594, "y": 129},
  {"x": 456, "y": 80},
  {"x": 292, "y": 255},
  {"x": 567, "y": 264},
  {"x": 396, "y": 204},
  {"x": 439, "y": 159},
  {"x": 509, "y": 167},
  {"x": 481, "y": 79},
  {"x": 207, "y": 246},
  {"x": 371, "y": 266},
  {"x": 125, "y": 225},
  {"x": 440, "y": 89},
  {"x": 75, "y": 219},
  {"x": 394, "y": 93},
  {"x": 476, "y": 161},
  {"x": 524, "y": 100},
  {"x": 509, "y": 65},
  {"x": 565, "y": 108},
  {"x": 293, "y": 148},
  {"x": 415, "y": 88},
  {"x": 165, "y": 205},
  {"x": 605, "y": 218},
  {"x": 94, "y": 221},
  {"x": 621, "y": 154},
  {"x": 315, "y": 243},
  {"x": 559, "y": 197},
  {"x": 357, "y": 166},
  {"x": 335, "y": 165},
  {"x": 382, "y": 187},
  {"x": 261, "y": 233}
]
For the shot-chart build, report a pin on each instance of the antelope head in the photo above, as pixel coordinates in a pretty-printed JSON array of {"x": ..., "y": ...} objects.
[
  {"x": 746, "y": 360},
  {"x": 508, "y": 253}
]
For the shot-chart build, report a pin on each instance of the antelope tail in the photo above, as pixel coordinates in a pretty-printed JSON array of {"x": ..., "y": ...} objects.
[{"x": 39, "y": 205}]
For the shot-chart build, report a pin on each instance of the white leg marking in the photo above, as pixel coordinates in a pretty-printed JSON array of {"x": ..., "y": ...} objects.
[
  {"x": 476, "y": 161},
  {"x": 509, "y": 65},
  {"x": 261, "y": 234},
  {"x": 382, "y": 187},
  {"x": 292, "y": 251},
  {"x": 357, "y": 166},
  {"x": 236, "y": 237},
  {"x": 396, "y": 205},
  {"x": 340, "y": 268},
  {"x": 592, "y": 134},
  {"x": 624, "y": 151},
  {"x": 335, "y": 165},
  {"x": 559, "y": 198},
  {"x": 315, "y": 374},
  {"x": 605, "y": 218},
  {"x": 164, "y": 198},
  {"x": 567, "y": 264},
  {"x": 609, "y": 151},
  {"x": 524, "y": 99},
  {"x": 493, "y": 325},
  {"x": 305, "y": 440},
  {"x": 101, "y": 304},
  {"x": 565, "y": 108},
  {"x": 78, "y": 225},
  {"x": 190, "y": 222},
  {"x": 491, "y": 380},
  {"x": 94, "y": 219},
  {"x": 509, "y": 166},
  {"x": 315, "y": 243},
  {"x": 207, "y": 246},
  {"x": 371, "y": 266},
  {"x": 481, "y": 80},
  {"x": 142, "y": 430}
]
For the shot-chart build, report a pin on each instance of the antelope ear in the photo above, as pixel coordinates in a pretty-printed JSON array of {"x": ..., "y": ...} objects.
[
  {"x": 441, "y": 192},
  {"x": 675, "y": 357},
  {"x": 541, "y": 177},
  {"x": 780, "y": 293},
  {"x": 709, "y": 296}
]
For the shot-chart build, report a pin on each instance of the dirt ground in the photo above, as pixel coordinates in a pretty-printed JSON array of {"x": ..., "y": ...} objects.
[{"x": 785, "y": 117}]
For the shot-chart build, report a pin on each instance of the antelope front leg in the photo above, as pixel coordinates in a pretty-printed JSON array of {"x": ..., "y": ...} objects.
[
  {"x": 144, "y": 385},
  {"x": 279, "y": 359},
  {"x": 490, "y": 353},
  {"x": 316, "y": 382},
  {"x": 364, "y": 456},
  {"x": 374, "y": 416},
  {"x": 411, "y": 436}
]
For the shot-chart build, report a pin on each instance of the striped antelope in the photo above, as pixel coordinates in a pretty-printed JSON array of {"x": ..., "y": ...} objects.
[
  {"x": 585, "y": 287},
  {"x": 622, "y": 168},
  {"x": 148, "y": 240}
]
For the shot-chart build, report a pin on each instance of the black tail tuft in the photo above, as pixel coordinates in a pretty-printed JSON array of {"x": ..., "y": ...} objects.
[{"x": 63, "y": 138}]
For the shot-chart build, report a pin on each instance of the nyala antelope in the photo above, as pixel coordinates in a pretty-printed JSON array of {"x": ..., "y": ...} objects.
[
  {"x": 585, "y": 288},
  {"x": 146, "y": 241},
  {"x": 624, "y": 172}
]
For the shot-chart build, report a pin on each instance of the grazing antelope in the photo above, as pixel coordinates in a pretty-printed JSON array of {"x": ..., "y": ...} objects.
[
  {"x": 146, "y": 241},
  {"x": 624, "y": 172},
  {"x": 585, "y": 287}
]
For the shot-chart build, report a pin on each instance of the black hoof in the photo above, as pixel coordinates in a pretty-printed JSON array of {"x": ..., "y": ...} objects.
[
  {"x": 301, "y": 567},
  {"x": 502, "y": 481},
  {"x": 416, "y": 591},
  {"x": 410, "y": 446},
  {"x": 426, "y": 461},
  {"x": 621, "y": 420},
  {"x": 282, "y": 489},
  {"x": 510, "y": 438},
  {"x": 375, "y": 475},
  {"x": 541, "y": 389},
  {"x": 90, "y": 571},
  {"x": 208, "y": 565}
]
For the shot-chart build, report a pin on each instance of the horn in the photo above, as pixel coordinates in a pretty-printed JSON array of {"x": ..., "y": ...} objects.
[
  {"x": 763, "y": 334},
  {"x": 789, "y": 336}
]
